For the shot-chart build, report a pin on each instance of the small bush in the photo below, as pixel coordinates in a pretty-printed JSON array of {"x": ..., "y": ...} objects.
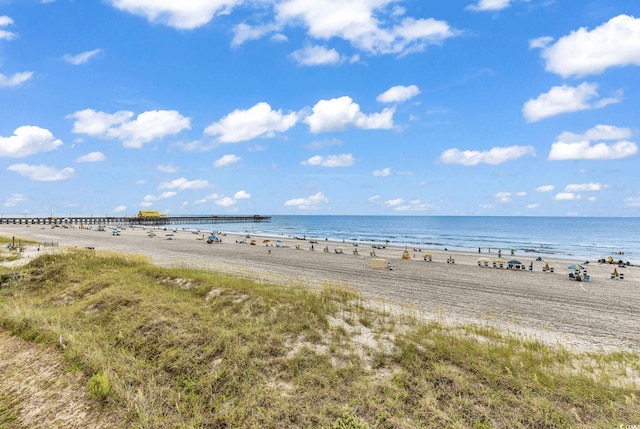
[
  {"x": 98, "y": 386},
  {"x": 349, "y": 421}
]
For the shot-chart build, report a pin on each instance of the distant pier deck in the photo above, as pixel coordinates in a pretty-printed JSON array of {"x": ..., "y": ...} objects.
[{"x": 132, "y": 220}]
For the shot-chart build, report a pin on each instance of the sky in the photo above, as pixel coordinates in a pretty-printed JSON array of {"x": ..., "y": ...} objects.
[{"x": 350, "y": 107}]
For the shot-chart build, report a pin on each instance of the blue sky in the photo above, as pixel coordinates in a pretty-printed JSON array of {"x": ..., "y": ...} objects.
[{"x": 483, "y": 107}]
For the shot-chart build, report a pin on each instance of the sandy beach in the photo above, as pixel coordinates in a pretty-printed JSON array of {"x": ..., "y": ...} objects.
[{"x": 599, "y": 315}]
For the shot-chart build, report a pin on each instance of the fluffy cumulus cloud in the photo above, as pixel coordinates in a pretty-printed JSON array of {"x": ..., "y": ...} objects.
[
  {"x": 14, "y": 200},
  {"x": 494, "y": 156},
  {"x": 242, "y": 195},
  {"x": 545, "y": 188},
  {"x": 584, "y": 52},
  {"x": 258, "y": 121},
  {"x": 184, "y": 184},
  {"x": 603, "y": 142},
  {"x": 564, "y": 99},
  {"x": 371, "y": 26},
  {"x": 312, "y": 202},
  {"x": 150, "y": 200},
  {"x": 6, "y": 21},
  {"x": 42, "y": 173},
  {"x": 489, "y": 5},
  {"x": 133, "y": 133},
  {"x": 81, "y": 58},
  {"x": 14, "y": 80},
  {"x": 343, "y": 160},
  {"x": 567, "y": 196},
  {"x": 28, "y": 140},
  {"x": 397, "y": 94},
  {"x": 91, "y": 157},
  {"x": 181, "y": 15},
  {"x": 226, "y": 160},
  {"x": 339, "y": 114},
  {"x": 316, "y": 55},
  {"x": 382, "y": 173}
]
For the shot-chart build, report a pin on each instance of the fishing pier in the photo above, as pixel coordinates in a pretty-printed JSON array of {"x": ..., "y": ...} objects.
[{"x": 161, "y": 220}]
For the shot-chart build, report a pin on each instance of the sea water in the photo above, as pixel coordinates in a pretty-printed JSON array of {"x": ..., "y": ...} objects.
[{"x": 579, "y": 238}]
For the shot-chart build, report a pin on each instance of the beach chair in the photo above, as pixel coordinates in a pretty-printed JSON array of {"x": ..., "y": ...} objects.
[
  {"x": 571, "y": 276},
  {"x": 621, "y": 276},
  {"x": 586, "y": 278}
]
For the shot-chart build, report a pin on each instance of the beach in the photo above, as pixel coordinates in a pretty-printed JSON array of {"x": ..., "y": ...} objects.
[{"x": 599, "y": 315}]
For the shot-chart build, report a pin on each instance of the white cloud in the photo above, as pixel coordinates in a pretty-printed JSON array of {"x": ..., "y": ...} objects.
[
  {"x": 149, "y": 200},
  {"x": 133, "y": 133},
  {"x": 316, "y": 55},
  {"x": 632, "y": 202},
  {"x": 584, "y": 52},
  {"x": 82, "y": 57},
  {"x": 584, "y": 187},
  {"x": 413, "y": 205},
  {"x": 503, "y": 197},
  {"x": 374, "y": 198},
  {"x": 399, "y": 93},
  {"x": 343, "y": 160},
  {"x": 564, "y": 99},
  {"x": 4, "y": 34},
  {"x": 91, "y": 157},
  {"x": 42, "y": 173},
  {"x": 572, "y": 146},
  {"x": 244, "y": 32},
  {"x": 119, "y": 209},
  {"x": 394, "y": 203},
  {"x": 242, "y": 195},
  {"x": 226, "y": 160},
  {"x": 312, "y": 202},
  {"x": 540, "y": 42},
  {"x": 28, "y": 140},
  {"x": 14, "y": 199},
  {"x": 258, "y": 121},
  {"x": 15, "y": 80},
  {"x": 181, "y": 15},
  {"x": 167, "y": 168},
  {"x": 489, "y": 5},
  {"x": 567, "y": 196},
  {"x": 545, "y": 188},
  {"x": 382, "y": 173},
  {"x": 184, "y": 184},
  {"x": 338, "y": 114},
  {"x": 533, "y": 206},
  {"x": 494, "y": 156},
  {"x": 365, "y": 24},
  {"x": 225, "y": 202}
]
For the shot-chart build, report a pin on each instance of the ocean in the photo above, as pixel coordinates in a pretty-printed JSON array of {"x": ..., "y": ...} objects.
[{"x": 579, "y": 238}]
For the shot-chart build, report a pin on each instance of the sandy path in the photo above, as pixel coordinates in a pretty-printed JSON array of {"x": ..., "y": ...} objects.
[{"x": 600, "y": 315}]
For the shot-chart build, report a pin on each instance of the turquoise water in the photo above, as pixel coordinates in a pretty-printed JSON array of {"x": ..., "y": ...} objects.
[{"x": 579, "y": 238}]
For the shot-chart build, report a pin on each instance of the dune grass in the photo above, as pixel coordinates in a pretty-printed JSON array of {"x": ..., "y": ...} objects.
[{"x": 188, "y": 348}]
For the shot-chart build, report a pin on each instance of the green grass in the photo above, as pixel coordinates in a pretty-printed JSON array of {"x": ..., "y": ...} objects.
[{"x": 188, "y": 348}]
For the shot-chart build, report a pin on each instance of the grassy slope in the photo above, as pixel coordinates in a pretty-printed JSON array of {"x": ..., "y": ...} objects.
[{"x": 196, "y": 349}]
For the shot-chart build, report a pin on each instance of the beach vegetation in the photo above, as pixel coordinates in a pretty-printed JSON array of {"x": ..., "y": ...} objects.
[{"x": 182, "y": 347}]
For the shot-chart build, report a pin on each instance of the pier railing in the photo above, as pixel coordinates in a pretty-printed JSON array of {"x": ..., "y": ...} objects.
[{"x": 132, "y": 220}]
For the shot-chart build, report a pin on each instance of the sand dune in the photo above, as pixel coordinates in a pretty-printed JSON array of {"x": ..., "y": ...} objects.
[{"x": 602, "y": 314}]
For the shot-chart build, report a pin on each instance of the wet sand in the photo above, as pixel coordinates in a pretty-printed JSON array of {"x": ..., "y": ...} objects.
[{"x": 601, "y": 315}]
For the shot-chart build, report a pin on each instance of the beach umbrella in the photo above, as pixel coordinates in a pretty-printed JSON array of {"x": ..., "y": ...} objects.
[
  {"x": 499, "y": 261},
  {"x": 575, "y": 267},
  {"x": 514, "y": 262},
  {"x": 213, "y": 238},
  {"x": 266, "y": 241}
]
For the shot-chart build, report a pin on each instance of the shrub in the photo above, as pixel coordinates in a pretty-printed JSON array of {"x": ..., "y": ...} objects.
[
  {"x": 98, "y": 386},
  {"x": 349, "y": 421}
]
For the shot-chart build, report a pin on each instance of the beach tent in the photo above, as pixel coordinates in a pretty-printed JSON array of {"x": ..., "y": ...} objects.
[
  {"x": 253, "y": 242},
  {"x": 498, "y": 263},
  {"x": 514, "y": 263},
  {"x": 427, "y": 257},
  {"x": 212, "y": 239},
  {"x": 298, "y": 246},
  {"x": 483, "y": 262}
]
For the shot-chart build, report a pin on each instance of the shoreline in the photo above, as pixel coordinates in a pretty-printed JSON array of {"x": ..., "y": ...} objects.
[{"x": 601, "y": 315}]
